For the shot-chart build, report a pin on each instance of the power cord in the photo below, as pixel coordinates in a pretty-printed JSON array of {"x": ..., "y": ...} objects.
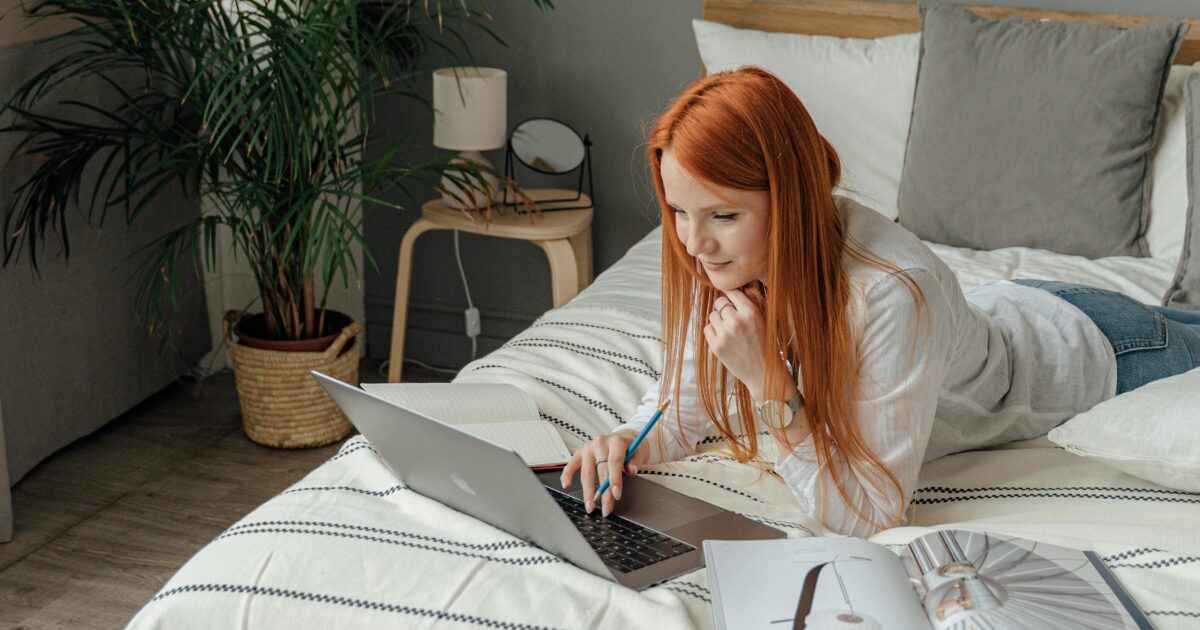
[
  {"x": 471, "y": 312},
  {"x": 383, "y": 367},
  {"x": 466, "y": 289}
]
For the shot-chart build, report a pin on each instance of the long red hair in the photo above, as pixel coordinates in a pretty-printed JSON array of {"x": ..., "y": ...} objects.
[{"x": 746, "y": 130}]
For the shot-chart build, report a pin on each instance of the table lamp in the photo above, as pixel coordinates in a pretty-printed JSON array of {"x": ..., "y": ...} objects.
[{"x": 470, "y": 115}]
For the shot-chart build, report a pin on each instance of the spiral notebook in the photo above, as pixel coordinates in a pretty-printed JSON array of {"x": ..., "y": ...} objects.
[
  {"x": 949, "y": 579},
  {"x": 501, "y": 414}
]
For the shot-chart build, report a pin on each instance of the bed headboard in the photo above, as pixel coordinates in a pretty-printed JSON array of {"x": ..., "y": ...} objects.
[{"x": 872, "y": 18}]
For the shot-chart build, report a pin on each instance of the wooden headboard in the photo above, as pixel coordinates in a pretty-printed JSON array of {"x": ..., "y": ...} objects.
[{"x": 872, "y": 18}]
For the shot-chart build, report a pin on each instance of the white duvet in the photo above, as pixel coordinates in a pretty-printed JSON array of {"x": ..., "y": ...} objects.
[
  {"x": 632, "y": 285},
  {"x": 350, "y": 547}
]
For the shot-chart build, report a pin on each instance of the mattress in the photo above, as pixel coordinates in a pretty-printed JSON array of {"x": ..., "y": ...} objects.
[{"x": 351, "y": 546}]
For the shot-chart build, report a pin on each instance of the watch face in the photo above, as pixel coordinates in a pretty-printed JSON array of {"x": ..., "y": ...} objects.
[{"x": 775, "y": 414}]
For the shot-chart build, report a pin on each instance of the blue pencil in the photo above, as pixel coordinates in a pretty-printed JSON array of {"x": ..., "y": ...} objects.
[{"x": 636, "y": 443}]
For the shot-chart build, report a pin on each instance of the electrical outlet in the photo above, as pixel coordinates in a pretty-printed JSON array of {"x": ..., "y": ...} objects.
[{"x": 472, "y": 317}]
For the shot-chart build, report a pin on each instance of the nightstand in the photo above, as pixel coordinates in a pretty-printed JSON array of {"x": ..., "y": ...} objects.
[{"x": 565, "y": 236}]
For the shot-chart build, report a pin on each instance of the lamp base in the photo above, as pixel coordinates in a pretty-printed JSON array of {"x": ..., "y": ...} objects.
[{"x": 460, "y": 198}]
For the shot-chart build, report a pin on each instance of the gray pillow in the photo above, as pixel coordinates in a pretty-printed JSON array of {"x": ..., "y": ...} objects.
[
  {"x": 1185, "y": 290},
  {"x": 1034, "y": 133}
]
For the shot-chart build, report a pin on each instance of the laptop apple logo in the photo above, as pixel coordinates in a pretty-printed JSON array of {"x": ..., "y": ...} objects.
[{"x": 462, "y": 485}]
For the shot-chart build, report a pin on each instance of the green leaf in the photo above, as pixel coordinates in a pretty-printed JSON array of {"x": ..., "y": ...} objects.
[{"x": 261, "y": 108}]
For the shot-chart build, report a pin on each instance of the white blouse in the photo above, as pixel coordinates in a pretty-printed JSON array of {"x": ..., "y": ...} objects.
[{"x": 997, "y": 363}]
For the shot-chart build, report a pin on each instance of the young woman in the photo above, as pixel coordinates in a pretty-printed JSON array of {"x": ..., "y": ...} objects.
[{"x": 846, "y": 338}]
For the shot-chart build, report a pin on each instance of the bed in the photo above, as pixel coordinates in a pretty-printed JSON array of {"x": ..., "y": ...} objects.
[{"x": 349, "y": 546}]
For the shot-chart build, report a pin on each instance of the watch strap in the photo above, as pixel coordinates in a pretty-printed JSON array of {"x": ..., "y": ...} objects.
[{"x": 795, "y": 402}]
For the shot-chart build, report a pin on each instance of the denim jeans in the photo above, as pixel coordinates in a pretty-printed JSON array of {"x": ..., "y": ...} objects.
[{"x": 1151, "y": 342}]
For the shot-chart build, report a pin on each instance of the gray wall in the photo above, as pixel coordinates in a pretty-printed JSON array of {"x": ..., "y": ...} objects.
[{"x": 606, "y": 68}]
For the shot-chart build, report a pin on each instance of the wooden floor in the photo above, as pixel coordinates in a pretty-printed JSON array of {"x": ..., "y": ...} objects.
[{"x": 103, "y": 523}]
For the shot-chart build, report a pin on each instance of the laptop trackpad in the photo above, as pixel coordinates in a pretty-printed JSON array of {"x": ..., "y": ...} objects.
[{"x": 659, "y": 508}]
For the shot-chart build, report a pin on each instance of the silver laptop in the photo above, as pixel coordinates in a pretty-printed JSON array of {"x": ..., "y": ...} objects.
[{"x": 654, "y": 534}]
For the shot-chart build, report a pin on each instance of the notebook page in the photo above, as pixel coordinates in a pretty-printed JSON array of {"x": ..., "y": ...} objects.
[
  {"x": 460, "y": 403},
  {"x": 537, "y": 442}
]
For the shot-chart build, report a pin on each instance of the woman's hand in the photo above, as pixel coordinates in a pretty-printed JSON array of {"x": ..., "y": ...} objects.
[
  {"x": 601, "y": 459},
  {"x": 735, "y": 335}
]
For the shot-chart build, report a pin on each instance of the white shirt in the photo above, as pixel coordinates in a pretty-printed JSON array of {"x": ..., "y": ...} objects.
[{"x": 997, "y": 363}]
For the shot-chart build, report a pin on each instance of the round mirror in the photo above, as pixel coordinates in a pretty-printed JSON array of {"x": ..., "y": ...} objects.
[{"x": 547, "y": 145}]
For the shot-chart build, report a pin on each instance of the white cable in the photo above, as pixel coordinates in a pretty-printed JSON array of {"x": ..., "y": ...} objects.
[
  {"x": 463, "y": 274},
  {"x": 466, "y": 289},
  {"x": 383, "y": 367},
  {"x": 431, "y": 368},
  {"x": 474, "y": 345}
]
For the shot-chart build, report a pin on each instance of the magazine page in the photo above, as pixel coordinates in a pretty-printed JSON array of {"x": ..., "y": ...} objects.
[
  {"x": 974, "y": 579},
  {"x": 812, "y": 583}
]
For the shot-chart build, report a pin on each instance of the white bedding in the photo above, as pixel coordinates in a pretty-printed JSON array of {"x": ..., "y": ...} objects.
[
  {"x": 349, "y": 546},
  {"x": 632, "y": 285}
]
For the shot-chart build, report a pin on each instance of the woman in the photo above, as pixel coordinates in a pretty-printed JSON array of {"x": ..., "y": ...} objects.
[{"x": 839, "y": 330}]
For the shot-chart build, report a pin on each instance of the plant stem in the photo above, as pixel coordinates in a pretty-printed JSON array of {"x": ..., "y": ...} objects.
[{"x": 310, "y": 316}]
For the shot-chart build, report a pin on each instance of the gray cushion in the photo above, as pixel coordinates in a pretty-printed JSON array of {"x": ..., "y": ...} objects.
[
  {"x": 1034, "y": 133},
  {"x": 1185, "y": 290}
]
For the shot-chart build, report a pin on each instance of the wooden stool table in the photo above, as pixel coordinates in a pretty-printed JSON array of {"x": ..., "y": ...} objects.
[{"x": 565, "y": 236}]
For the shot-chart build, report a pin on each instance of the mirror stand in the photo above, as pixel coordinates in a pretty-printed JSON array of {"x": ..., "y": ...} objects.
[{"x": 584, "y": 167}]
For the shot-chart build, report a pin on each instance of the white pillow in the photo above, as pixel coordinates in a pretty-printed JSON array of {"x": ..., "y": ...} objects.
[
  {"x": 1152, "y": 432},
  {"x": 859, "y": 93},
  {"x": 1168, "y": 172}
]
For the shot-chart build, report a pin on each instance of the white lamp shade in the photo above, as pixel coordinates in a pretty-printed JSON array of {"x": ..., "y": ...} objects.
[{"x": 470, "y": 108}]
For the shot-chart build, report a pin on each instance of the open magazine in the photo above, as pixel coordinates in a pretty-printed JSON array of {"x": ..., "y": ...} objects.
[{"x": 946, "y": 579}]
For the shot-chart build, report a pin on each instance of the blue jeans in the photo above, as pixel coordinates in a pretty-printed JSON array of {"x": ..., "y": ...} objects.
[{"x": 1151, "y": 342}]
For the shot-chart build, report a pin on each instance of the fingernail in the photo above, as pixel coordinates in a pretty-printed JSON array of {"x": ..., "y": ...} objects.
[
  {"x": 634, "y": 468},
  {"x": 604, "y": 512},
  {"x": 589, "y": 506},
  {"x": 616, "y": 492}
]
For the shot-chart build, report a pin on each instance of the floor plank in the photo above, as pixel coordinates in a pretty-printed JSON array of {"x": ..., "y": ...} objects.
[{"x": 102, "y": 524}]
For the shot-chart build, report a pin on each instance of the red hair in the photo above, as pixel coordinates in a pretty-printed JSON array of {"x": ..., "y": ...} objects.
[{"x": 746, "y": 130}]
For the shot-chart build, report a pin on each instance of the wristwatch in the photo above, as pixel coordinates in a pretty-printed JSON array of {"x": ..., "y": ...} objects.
[{"x": 774, "y": 409}]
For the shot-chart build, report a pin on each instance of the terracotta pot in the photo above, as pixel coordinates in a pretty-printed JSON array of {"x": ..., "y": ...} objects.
[{"x": 251, "y": 331}]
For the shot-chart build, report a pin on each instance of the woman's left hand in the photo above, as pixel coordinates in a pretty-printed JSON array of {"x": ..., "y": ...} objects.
[{"x": 735, "y": 335}]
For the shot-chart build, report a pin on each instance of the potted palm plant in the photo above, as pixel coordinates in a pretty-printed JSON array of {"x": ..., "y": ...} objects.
[{"x": 260, "y": 108}]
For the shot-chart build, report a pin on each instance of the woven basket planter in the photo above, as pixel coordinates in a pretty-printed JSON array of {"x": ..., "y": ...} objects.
[{"x": 282, "y": 404}]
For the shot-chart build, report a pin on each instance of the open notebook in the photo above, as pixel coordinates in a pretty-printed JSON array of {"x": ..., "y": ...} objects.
[{"x": 501, "y": 414}]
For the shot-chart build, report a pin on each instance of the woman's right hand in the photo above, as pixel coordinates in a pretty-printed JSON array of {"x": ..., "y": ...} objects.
[{"x": 601, "y": 459}]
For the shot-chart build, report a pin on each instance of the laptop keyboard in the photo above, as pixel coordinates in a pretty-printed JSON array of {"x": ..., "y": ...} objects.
[{"x": 621, "y": 543}]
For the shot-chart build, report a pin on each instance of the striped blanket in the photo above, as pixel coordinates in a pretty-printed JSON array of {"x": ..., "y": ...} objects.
[{"x": 349, "y": 546}]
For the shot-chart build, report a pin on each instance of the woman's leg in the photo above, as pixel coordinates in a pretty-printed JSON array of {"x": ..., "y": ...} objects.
[
  {"x": 1184, "y": 326},
  {"x": 1149, "y": 343}
]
